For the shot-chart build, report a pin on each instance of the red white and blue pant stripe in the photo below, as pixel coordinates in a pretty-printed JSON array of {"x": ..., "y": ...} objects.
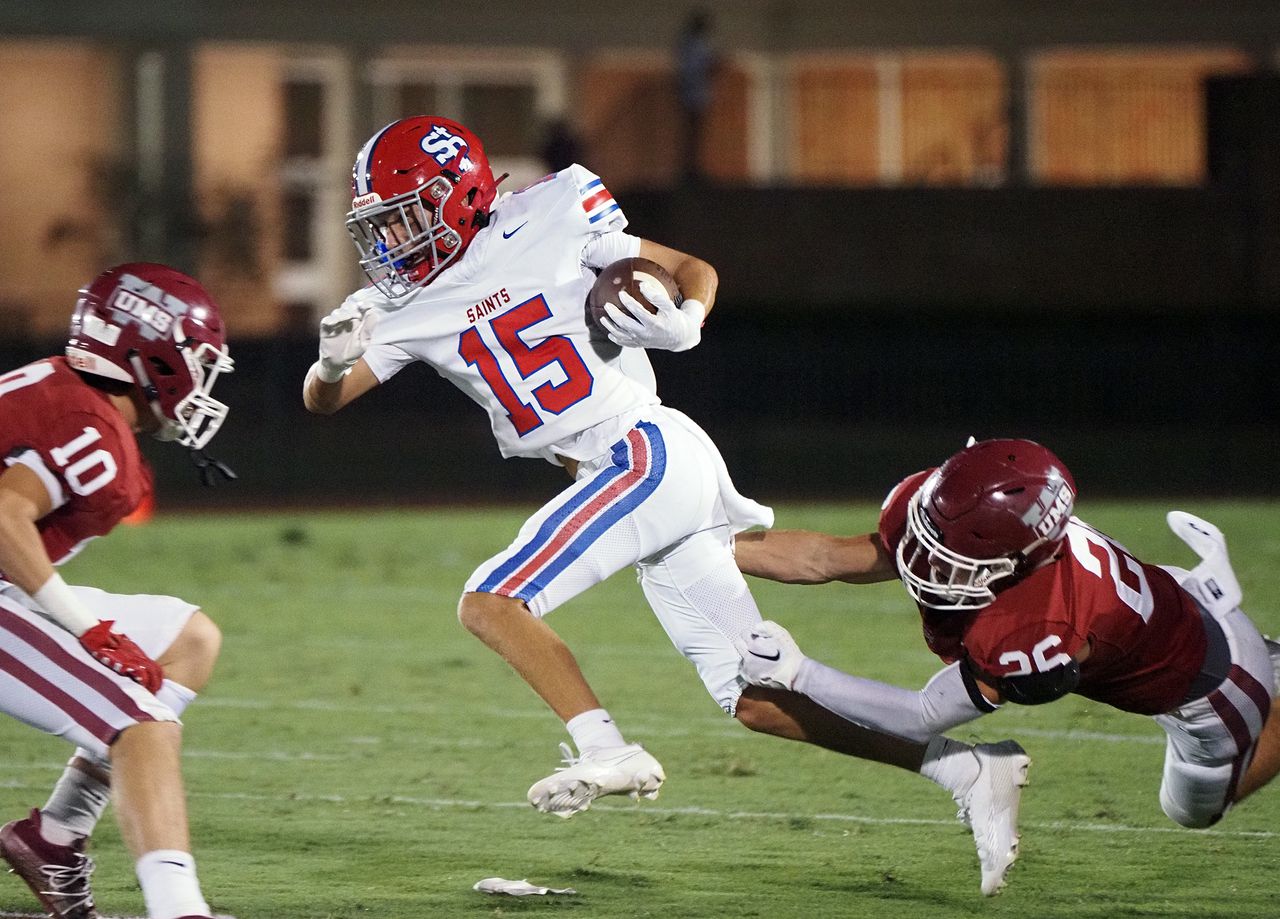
[{"x": 639, "y": 462}]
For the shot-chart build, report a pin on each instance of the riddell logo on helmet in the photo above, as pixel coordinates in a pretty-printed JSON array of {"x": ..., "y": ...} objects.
[
  {"x": 1053, "y": 507},
  {"x": 365, "y": 200}
]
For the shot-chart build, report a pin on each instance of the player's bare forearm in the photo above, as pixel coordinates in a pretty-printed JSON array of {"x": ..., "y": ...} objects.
[
  {"x": 323, "y": 398},
  {"x": 696, "y": 279},
  {"x": 23, "y": 501},
  {"x": 806, "y": 557}
]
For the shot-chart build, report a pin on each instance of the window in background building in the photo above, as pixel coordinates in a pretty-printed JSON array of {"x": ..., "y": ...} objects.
[
  {"x": 507, "y": 98},
  {"x": 630, "y": 119},
  {"x": 316, "y": 267},
  {"x": 954, "y": 126},
  {"x": 304, "y": 118},
  {"x": 897, "y": 118},
  {"x": 240, "y": 139},
  {"x": 299, "y": 204},
  {"x": 1133, "y": 116},
  {"x": 66, "y": 179},
  {"x": 304, "y": 102},
  {"x": 414, "y": 99},
  {"x": 633, "y": 129},
  {"x": 500, "y": 117},
  {"x": 835, "y": 106}
]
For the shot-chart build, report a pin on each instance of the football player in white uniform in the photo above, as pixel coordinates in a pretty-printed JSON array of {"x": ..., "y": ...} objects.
[{"x": 490, "y": 293}]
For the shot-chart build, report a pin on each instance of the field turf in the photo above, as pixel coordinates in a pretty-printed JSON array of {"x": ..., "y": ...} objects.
[{"x": 358, "y": 754}]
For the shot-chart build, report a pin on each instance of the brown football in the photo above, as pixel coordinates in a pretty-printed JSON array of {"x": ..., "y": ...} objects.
[{"x": 625, "y": 274}]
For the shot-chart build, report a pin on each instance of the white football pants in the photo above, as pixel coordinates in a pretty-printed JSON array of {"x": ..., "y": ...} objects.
[
  {"x": 657, "y": 500},
  {"x": 1211, "y": 740}
]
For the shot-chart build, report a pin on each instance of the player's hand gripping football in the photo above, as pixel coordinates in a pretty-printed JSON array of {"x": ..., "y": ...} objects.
[
  {"x": 671, "y": 328},
  {"x": 344, "y": 337},
  {"x": 770, "y": 656},
  {"x": 119, "y": 653}
]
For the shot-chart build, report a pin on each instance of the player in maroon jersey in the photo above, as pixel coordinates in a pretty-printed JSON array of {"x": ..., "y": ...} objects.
[
  {"x": 1027, "y": 603},
  {"x": 110, "y": 673}
]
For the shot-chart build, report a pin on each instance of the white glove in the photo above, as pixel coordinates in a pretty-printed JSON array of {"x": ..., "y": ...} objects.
[
  {"x": 344, "y": 337},
  {"x": 671, "y": 328},
  {"x": 770, "y": 656}
]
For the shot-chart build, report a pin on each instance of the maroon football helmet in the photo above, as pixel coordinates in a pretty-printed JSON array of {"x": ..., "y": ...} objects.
[
  {"x": 991, "y": 513},
  {"x": 420, "y": 191},
  {"x": 155, "y": 327}
]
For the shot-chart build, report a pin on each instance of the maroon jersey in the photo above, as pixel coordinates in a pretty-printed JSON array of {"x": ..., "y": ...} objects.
[
  {"x": 78, "y": 443},
  {"x": 1147, "y": 642}
]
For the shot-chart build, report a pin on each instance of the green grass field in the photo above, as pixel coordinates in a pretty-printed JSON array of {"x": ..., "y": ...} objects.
[{"x": 359, "y": 754}]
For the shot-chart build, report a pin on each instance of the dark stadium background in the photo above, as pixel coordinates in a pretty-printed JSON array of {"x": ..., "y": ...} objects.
[{"x": 862, "y": 332}]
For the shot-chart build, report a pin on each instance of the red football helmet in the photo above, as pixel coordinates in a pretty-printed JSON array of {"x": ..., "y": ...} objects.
[
  {"x": 420, "y": 191},
  {"x": 990, "y": 514},
  {"x": 155, "y": 327}
]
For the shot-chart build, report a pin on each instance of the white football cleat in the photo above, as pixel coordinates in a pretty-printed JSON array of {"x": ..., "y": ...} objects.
[
  {"x": 1214, "y": 575},
  {"x": 628, "y": 770},
  {"x": 770, "y": 656},
  {"x": 990, "y": 809}
]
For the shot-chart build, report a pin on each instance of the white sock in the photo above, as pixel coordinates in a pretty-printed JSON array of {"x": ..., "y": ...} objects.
[
  {"x": 76, "y": 803},
  {"x": 169, "y": 885},
  {"x": 176, "y": 696},
  {"x": 593, "y": 730},
  {"x": 78, "y": 800},
  {"x": 951, "y": 764}
]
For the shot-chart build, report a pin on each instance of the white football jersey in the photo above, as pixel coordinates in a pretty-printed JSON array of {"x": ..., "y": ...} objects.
[{"x": 506, "y": 323}]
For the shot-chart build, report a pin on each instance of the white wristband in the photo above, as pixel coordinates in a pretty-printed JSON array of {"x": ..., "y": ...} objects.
[
  {"x": 325, "y": 373},
  {"x": 695, "y": 310},
  {"x": 56, "y": 599}
]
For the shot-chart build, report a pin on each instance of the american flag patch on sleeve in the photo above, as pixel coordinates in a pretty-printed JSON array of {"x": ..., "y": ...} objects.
[{"x": 597, "y": 202}]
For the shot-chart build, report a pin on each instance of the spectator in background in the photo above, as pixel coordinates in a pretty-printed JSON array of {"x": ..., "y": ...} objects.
[
  {"x": 560, "y": 148},
  {"x": 696, "y": 63}
]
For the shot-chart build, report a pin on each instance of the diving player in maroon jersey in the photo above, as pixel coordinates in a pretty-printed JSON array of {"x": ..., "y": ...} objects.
[
  {"x": 1027, "y": 603},
  {"x": 110, "y": 673}
]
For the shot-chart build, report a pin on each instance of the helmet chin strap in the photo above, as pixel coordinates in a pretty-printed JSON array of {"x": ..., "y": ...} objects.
[
  {"x": 167, "y": 430},
  {"x": 211, "y": 471}
]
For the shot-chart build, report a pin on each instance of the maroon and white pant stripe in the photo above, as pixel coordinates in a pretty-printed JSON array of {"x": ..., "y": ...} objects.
[{"x": 50, "y": 682}]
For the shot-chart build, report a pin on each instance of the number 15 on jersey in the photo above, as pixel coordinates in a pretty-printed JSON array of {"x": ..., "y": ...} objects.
[{"x": 508, "y": 328}]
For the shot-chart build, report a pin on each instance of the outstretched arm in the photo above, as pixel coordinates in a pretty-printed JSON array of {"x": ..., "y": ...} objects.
[
  {"x": 806, "y": 557},
  {"x": 324, "y": 398},
  {"x": 770, "y": 657},
  {"x": 951, "y": 698},
  {"x": 341, "y": 375}
]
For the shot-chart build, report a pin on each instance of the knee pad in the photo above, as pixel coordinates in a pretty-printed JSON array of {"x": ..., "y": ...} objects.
[{"x": 1195, "y": 796}]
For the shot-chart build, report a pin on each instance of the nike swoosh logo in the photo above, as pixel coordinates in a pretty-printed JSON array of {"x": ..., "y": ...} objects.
[
  {"x": 506, "y": 235},
  {"x": 766, "y": 657},
  {"x": 164, "y": 861}
]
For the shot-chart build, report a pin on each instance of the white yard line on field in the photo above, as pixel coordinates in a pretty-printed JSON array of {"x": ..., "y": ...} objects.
[
  {"x": 703, "y": 727},
  {"x": 464, "y": 804},
  {"x": 658, "y": 810}
]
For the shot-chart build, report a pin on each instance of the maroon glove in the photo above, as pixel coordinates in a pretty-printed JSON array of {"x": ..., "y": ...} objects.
[{"x": 119, "y": 653}]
